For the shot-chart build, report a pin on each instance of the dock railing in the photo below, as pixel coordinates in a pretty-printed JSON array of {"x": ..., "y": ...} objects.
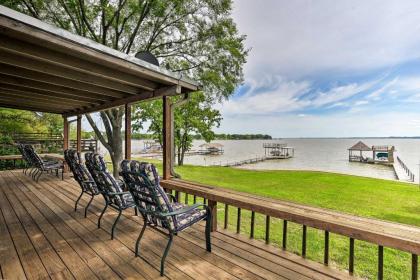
[
  {"x": 406, "y": 169},
  {"x": 381, "y": 233}
]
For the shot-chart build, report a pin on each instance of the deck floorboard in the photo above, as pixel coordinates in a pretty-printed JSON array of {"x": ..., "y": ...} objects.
[{"x": 41, "y": 237}]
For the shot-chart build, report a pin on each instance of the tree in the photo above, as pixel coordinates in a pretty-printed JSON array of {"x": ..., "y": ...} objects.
[
  {"x": 195, "y": 117},
  {"x": 195, "y": 37}
]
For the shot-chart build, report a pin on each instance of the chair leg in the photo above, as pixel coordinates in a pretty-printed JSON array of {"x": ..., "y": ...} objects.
[
  {"x": 102, "y": 213},
  {"x": 208, "y": 230},
  {"x": 140, "y": 236},
  {"x": 162, "y": 262},
  {"x": 115, "y": 223},
  {"x": 135, "y": 211},
  {"x": 62, "y": 174},
  {"x": 87, "y": 206},
  {"x": 39, "y": 176},
  {"x": 77, "y": 201}
]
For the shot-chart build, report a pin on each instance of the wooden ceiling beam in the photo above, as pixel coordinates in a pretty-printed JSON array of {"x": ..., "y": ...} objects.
[
  {"x": 35, "y": 98},
  {"x": 147, "y": 95},
  {"x": 51, "y": 88},
  {"x": 35, "y": 104},
  {"x": 17, "y": 71},
  {"x": 43, "y": 66},
  {"x": 69, "y": 61},
  {"x": 29, "y": 108},
  {"x": 47, "y": 93}
]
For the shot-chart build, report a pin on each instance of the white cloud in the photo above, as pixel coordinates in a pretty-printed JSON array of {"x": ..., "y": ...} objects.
[
  {"x": 361, "y": 102},
  {"x": 288, "y": 96},
  {"x": 302, "y": 37}
]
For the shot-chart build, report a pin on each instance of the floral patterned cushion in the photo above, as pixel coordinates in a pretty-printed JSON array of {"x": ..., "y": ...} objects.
[{"x": 143, "y": 181}]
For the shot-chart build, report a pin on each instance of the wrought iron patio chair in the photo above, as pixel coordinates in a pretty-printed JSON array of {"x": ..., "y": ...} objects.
[
  {"x": 25, "y": 158},
  {"x": 82, "y": 177},
  {"x": 40, "y": 165},
  {"x": 157, "y": 209},
  {"x": 111, "y": 188}
]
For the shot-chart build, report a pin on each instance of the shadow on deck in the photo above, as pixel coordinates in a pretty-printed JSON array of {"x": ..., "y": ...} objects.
[{"x": 42, "y": 237}]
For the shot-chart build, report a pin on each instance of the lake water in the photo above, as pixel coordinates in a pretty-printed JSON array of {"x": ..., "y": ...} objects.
[{"x": 310, "y": 154}]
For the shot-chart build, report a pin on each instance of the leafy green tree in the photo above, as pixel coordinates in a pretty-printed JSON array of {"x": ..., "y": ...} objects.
[
  {"x": 195, "y": 37},
  {"x": 195, "y": 117}
]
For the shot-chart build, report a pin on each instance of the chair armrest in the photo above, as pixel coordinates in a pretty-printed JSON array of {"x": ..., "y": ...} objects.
[
  {"x": 87, "y": 182},
  {"x": 118, "y": 193},
  {"x": 183, "y": 210}
]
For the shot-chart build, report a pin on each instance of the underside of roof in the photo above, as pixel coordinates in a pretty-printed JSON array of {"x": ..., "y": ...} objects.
[{"x": 48, "y": 69}]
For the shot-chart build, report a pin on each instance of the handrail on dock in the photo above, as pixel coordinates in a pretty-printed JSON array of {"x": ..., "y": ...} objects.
[{"x": 409, "y": 173}]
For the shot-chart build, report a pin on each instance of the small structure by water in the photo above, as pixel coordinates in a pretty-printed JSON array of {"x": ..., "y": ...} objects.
[
  {"x": 278, "y": 151},
  {"x": 211, "y": 149},
  {"x": 380, "y": 154}
]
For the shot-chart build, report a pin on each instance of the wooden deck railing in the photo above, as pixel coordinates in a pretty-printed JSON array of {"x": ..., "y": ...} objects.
[{"x": 381, "y": 233}]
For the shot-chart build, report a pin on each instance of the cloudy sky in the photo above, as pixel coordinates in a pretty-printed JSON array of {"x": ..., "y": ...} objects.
[{"x": 321, "y": 68}]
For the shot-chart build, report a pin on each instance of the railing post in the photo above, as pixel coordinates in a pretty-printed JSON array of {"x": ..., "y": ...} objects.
[
  {"x": 326, "y": 247},
  {"x": 238, "y": 221},
  {"x": 380, "y": 262},
  {"x": 414, "y": 267},
  {"x": 226, "y": 216},
  {"x": 213, "y": 208},
  {"x": 252, "y": 224},
  {"x": 351, "y": 256},
  {"x": 284, "y": 234},
  {"x": 304, "y": 241},
  {"x": 267, "y": 229},
  {"x": 167, "y": 134}
]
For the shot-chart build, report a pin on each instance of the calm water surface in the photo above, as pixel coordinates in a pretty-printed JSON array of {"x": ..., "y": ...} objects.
[{"x": 310, "y": 154}]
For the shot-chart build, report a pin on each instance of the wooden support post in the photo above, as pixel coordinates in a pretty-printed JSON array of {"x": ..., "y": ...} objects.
[
  {"x": 213, "y": 208},
  {"x": 66, "y": 133},
  {"x": 167, "y": 128},
  {"x": 79, "y": 134},
  {"x": 128, "y": 131},
  {"x": 65, "y": 139}
]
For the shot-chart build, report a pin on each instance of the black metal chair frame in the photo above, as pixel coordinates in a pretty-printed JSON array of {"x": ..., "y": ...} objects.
[
  {"x": 41, "y": 166},
  {"x": 88, "y": 187},
  {"x": 150, "y": 198},
  {"x": 98, "y": 174}
]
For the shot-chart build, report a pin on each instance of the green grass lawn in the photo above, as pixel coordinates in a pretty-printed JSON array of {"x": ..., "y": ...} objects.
[{"x": 381, "y": 199}]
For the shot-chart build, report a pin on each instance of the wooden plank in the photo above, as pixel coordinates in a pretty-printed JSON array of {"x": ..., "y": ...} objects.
[
  {"x": 127, "y": 225},
  {"x": 49, "y": 257},
  {"x": 39, "y": 98},
  {"x": 196, "y": 268},
  {"x": 383, "y": 233},
  {"x": 11, "y": 266},
  {"x": 72, "y": 260},
  {"x": 28, "y": 256},
  {"x": 81, "y": 243},
  {"x": 55, "y": 80},
  {"x": 30, "y": 108},
  {"x": 55, "y": 89},
  {"x": 54, "y": 69},
  {"x": 16, "y": 101},
  {"x": 61, "y": 96},
  {"x": 76, "y": 63},
  {"x": 146, "y": 95}
]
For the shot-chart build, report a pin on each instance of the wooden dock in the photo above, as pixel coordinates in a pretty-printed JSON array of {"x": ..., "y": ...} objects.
[
  {"x": 241, "y": 162},
  {"x": 402, "y": 172}
]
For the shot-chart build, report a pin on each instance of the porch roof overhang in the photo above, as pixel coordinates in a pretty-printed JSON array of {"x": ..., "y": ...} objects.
[{"x": 47, "y": 69}]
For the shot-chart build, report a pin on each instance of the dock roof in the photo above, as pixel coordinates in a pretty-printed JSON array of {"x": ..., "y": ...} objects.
[{"x": 360, "y": 146}]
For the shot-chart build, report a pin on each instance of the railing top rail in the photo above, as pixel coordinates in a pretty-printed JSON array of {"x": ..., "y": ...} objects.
[{"x": 384, "y": 233}]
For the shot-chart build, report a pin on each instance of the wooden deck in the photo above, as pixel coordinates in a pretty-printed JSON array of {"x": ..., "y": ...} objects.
[{"x": 42, "y": 237}]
